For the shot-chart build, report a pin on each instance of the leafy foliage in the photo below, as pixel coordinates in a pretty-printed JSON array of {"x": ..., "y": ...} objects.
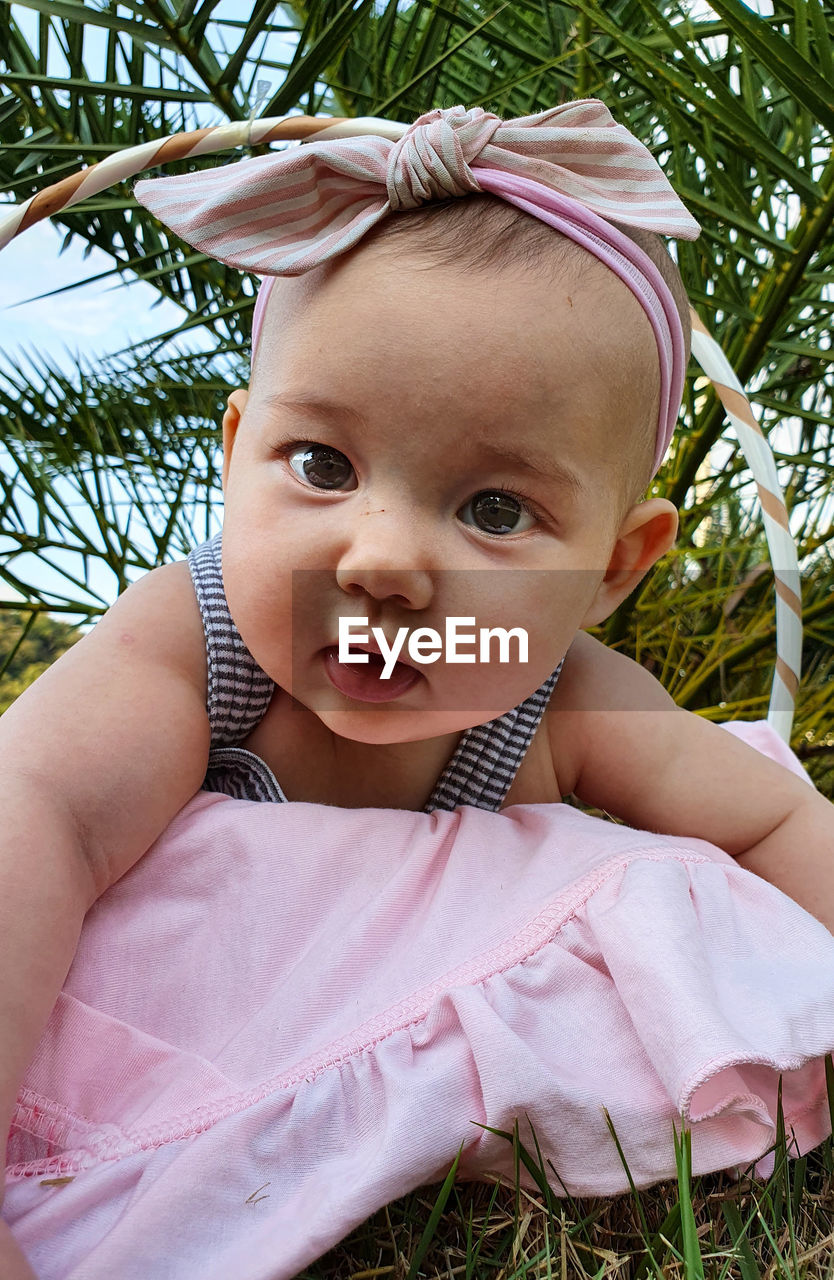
[
  {"x": 117, "y": 465},
  {"x": 734, "y": 105},
  {"x": 31, "y": 643}
]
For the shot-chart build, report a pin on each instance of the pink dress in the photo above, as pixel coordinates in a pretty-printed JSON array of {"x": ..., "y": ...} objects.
[{"x": 287, "y": 1015}]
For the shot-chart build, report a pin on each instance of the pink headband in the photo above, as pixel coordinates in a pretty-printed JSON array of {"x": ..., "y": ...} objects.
[{"x": 572, "y": 167}]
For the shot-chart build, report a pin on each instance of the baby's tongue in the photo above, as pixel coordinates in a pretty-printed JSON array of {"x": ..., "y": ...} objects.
[{"x": 376, "y": 663}]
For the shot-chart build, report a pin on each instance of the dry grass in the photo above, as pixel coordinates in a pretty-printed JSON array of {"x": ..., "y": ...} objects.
[{"x": 712, "y": 1227}]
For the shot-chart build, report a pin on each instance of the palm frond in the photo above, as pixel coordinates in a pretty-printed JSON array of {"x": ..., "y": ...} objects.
[{"x": 736, "y": 108}]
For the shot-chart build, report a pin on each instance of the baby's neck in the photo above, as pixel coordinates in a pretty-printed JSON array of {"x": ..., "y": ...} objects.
[
  {"x": 397, "y": 775},
  {"x": 315, "y": 765}
]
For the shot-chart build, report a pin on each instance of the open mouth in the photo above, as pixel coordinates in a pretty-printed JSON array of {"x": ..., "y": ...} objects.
[
  {"x": 364, "y": 681},
  {"x": 375, "y": 657}
]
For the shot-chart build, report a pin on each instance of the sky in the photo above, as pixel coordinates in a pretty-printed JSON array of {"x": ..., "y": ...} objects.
[
  {"x": 92, "y": 320},
  {"x": 98, "y": 317},
  {"x": 88, "y": 322}
]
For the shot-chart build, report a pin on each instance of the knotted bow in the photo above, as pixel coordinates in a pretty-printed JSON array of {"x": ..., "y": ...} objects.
[{"x": 284, "y": 213}]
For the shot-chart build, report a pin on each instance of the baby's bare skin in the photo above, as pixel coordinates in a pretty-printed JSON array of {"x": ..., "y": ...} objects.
[
  {"x": 418, "y": 436},
  {"x": 432, "y": 374}
]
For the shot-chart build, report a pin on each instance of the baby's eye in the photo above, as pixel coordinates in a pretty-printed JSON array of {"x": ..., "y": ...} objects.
[
  {"x": 497, "y": 510},
  {"x": 324, "y": 467}
]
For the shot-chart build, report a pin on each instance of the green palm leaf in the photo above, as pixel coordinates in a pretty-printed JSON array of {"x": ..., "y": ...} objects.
[{"x": 737, "y": 108}]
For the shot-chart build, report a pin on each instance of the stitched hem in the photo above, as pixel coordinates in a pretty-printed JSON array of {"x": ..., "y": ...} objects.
[{"x": 540, "y": 932}]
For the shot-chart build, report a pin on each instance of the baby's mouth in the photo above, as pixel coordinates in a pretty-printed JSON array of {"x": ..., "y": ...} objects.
[
  {"x": 363, "y": 681},
  {"x": 375, "y": 657}
]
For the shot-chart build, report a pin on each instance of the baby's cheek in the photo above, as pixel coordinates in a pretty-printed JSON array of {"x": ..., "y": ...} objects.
[{"x": 247, "y": 583}]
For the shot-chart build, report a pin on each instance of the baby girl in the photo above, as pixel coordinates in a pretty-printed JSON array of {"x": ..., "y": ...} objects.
[{"x": 453, "y": 413}]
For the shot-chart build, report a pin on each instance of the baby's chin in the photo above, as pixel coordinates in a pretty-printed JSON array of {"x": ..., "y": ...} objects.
[{"x": 384, "y": 725}]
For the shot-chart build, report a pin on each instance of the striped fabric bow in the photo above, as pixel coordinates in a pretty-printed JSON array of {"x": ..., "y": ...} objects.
[{"x": 284, "y": 213}]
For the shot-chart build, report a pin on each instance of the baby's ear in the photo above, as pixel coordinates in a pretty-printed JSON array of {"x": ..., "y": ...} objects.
[
  {"x": 646, "y": 533},
  {"x": 231, "y": 421}
]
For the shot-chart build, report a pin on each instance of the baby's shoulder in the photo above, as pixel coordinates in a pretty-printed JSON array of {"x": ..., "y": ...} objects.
[
  {"x": 160, "y": 616},
  {"x": 595, "y": 684}
]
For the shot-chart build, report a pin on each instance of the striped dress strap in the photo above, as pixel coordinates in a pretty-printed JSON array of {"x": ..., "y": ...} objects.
[
  {"x": 488, "y": 756},
  {"x": 480, "y": 772},
  {"x": 239, "y": 691}
]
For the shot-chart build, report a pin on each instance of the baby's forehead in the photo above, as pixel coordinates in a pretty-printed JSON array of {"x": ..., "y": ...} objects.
[
  {"x": 579, "y": 347},
  {"x": 585, "y": 295}
]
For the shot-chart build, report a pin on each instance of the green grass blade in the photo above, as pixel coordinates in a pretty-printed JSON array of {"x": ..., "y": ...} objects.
[
  {"x": 434, "y": 1218},
  {"x": 744, "y": 1256},
  {"x": 693, "y": 1263}
]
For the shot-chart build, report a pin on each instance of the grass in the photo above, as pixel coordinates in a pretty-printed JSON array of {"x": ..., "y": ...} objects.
[{"x": 711, "y": 1228}]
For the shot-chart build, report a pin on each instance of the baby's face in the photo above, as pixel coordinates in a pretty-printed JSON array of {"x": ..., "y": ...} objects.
[{"x": 465, "y": 468}]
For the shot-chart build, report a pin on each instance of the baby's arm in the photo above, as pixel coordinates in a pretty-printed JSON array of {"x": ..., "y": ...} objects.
[
  {"x": 96, "y": 757},
  {"x": 622, "y": 745}
]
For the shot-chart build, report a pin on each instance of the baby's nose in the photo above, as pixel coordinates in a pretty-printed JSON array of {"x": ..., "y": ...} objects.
[{"x": 387, "y": 555}]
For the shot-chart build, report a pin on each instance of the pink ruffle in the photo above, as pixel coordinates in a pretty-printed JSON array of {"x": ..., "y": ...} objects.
[{"x": 286, "y": 1016}]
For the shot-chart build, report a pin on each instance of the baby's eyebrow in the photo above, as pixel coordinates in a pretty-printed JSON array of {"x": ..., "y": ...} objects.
[
  {"x": 318, "y": 408},
  {"x": 534, "y": 463}
]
